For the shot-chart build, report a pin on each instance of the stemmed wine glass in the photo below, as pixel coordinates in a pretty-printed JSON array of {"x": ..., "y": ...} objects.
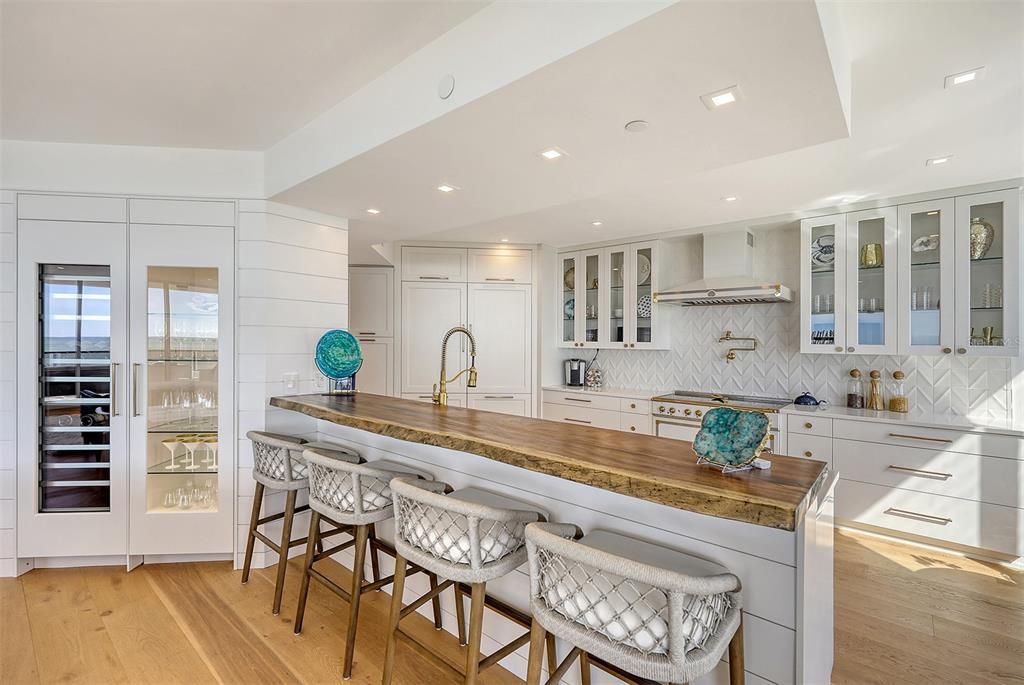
[
  {"x": 191, "y": 441},
  {"x": 172, "y": 446},
  {"x": 211, "y": 444}
]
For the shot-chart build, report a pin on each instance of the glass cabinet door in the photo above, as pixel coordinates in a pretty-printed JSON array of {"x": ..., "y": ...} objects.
[
  {"x": 592, "y": 301},
  {"x": 822, "y": 284},
  {"x": 987, "y": 273},
  {"x": 617, "y": 297},
  {"x": 570, "y": 275},
  {"x": 641, "y": 288},
  {"x": 926, "y": 301},
  {"x": 871, "y": 281}
]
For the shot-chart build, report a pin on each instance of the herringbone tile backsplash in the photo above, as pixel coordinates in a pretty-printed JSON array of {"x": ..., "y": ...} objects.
[{"x": 974, "y": 386}]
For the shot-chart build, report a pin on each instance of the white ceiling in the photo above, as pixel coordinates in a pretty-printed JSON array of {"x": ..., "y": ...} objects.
[{"x": 229, "y": 75}]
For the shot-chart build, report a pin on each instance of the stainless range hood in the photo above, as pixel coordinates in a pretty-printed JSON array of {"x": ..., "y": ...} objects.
[{"x": 730, "y": 257}]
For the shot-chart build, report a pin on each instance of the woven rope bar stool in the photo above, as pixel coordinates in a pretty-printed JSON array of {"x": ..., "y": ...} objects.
[
  {"x": 356, "y": 497},
  {"x": 278, "y": 465},
  {"x": 642, "y": 612},
  {"x": 466, "y": 537}
]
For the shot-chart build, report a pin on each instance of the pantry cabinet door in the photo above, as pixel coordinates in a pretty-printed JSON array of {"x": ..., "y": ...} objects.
[
  {"x": 429, "y": 310},
  {"x": 500, "y": 317},
  {"x": 371, "y": 301}
]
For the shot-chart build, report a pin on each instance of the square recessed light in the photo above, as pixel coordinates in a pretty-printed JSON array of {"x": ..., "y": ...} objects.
[
  {"x": 504, "y": 240},
  {"x": 445, "y": 188},
  {"x": 934, "y": 161},
  {"x": 596, "y": 222},
  {"x": 721, "y": 97},
  {"x": 371, "y": 210},
  {"x": 730, "y": 198},
  {"x": 552, "y": 153},
  {"x": 964, "y": 77}
]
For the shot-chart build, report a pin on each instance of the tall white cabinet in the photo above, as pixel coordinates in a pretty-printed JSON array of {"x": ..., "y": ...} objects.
[
  {"x": 125, "y": 349},
  {"x": 487, "y": 290},
  {"x": 371, "y": 319}
]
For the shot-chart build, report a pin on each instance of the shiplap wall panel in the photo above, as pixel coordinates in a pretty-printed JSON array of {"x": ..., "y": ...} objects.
[
  {"x": 8, "y": 388},
  {"x": 292, "y": 286}
]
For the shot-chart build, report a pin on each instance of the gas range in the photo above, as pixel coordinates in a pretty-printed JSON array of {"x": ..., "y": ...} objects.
[{"x": 678, "y": 414}]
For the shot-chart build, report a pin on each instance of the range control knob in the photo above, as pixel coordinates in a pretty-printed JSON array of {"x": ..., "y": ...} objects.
[
  {"x": 661, "y": 408},
  {"x": 699, "y": 413},
  {"x": 687, "y": 412},
  {"x": 671, "y": 410}
]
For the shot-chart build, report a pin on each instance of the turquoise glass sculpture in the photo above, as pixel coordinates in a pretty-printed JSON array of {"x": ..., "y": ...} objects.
[
  {"x": 338, "y": 357},
  {"x": 731, "y": 438}
]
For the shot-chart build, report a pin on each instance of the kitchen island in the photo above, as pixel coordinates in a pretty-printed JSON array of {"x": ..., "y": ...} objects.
[{"x": 772, "y": 528}]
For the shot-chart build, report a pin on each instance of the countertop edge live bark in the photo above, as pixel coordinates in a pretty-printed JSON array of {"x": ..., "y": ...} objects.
[{"x": 652, "y": 469}]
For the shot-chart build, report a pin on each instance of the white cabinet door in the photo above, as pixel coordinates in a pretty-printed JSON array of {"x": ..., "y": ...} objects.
[
  {"x": 988, "y": 262},
  {"x": 454, "y": 399},
  {"x": 180, "y": 402},
  {"x": 871, "y": 281},
  {"x": 429, "y": 310},
  {"x": 499, "y": 265},
  {"x": 823, "y": 285},
  {"x": 72, "y": 414},
  {"x": 926, "y": 311},
  {"x": 371, "y": 301},
  {"x": 434, "y": 264},
  {"x": 501, "y": 317},
  {"x": 377, "y": 372},
  {"x": 517, "y": 405}
]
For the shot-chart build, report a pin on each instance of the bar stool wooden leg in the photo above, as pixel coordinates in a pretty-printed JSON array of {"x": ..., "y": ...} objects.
[
  {"x": 397, "y": 589},
  {"x": 537, "y": 640},
  {"x": 374, "y": 554},
  {"x": 460, "y": 614},
  {"x": 286, "y": 538},
  {"x": 361, "y": 534},
  {"x": 737, "y": 676},
  {"x": 435, "y": 602},
  {"x": 584, "y": 668},
  {"x": 312, "y": 545},
  {"x": 552, "y": 656},
  {"x": 476, "y": 625},
  {"x": 257, "y": 504}
]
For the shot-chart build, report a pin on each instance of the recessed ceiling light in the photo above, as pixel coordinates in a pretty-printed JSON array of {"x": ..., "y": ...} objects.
[
  {"x": 596, "y": 223},
  {"x": 964, "y": 77},
  {"x": 371, "y": 210},
  {"x": 938, "y": 160},
  {"x": 552, "y": 153},
  {"x": 445, "y": 188},
  {"x": 504, "y": 240},
  {"x": 730, "y": 198},
  {"x": 636, "y": 126},
  {"x": 845, "y": 199},
  {"x": 721, "y": 97},
  {"x": 933, "y": 213}
]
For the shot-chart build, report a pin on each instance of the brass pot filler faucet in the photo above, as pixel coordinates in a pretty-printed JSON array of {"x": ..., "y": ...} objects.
[{"x": 441, "y": 391}]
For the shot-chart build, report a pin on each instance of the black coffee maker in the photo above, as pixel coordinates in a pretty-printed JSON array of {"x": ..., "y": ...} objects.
[{"x": 575, "y": 372}]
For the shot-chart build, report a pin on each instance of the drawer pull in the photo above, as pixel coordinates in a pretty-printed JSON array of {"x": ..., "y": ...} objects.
[
  {"x": 576, "y": 399},
  {"x": 501, "y": 280},
  {"x": 919, "y": 437},
  {"x": 433, "y": 278},
  {"x": 499, "y": 397},
  {"x": 808, "y": 425},
  {"x": 941, "y": 520},
  {"x": 367, "y": 332},
  {"x": 577, "y": 421},
  {"x": 921, "y": 472}
]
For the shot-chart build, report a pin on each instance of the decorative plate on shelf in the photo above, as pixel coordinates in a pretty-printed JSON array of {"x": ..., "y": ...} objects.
[
  {"x": 823, "y": 250},
  {"x": 643, "y": 269},
  {"x": 926, "y": 243},
  {"x": 569, "y": 279},
  {"x": 643, "y": 306},
  {"x": 570, "y": 308},
  {"x": 338, "y": 355},
  {"x": 731, "y": 438}
]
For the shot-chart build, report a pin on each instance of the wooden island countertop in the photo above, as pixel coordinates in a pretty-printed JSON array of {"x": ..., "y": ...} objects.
[{"x": 649, "y": 468}]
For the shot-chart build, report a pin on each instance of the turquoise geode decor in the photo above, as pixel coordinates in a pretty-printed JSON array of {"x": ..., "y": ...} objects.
[
  {"x": 338, "y": 357},
  {"x": 731, "y": 438}
]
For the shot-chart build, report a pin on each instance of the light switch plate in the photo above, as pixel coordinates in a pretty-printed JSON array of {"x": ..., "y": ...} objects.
[{"x": 291, "y": 380}]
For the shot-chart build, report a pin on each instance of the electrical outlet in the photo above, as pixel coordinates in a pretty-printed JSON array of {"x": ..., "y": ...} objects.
[
  {"x": 291, "y": 380},
  {"x": 319, "y": 381}
]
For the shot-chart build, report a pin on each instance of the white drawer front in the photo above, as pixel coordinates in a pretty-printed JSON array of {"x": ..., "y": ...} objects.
[
  {"x": 517, "y": 404},
  {"x": 582, "y": 416},
  {"x": 810, "y": 447},
  {"x": 500, "y": 266},
  {"x": 967, "y": 476},
  {"x": 809, "y": 424},
  {"x": 987, "y": 526},
  {"x": 581, "y": 399},
  {"x": 635, "y": 406},
  {"x": 635, "y": 423},
  {"x": 935, "y": 438}
]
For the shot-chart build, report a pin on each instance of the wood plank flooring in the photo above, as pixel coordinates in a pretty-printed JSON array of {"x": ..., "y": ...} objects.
[{"x": 903, "y": 615}]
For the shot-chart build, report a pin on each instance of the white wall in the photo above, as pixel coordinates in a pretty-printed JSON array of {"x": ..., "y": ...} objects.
[
  {"x": 130, "y": 170},
  {"x": 292, "y": 286},
  {"x": 8, "y": 270}
]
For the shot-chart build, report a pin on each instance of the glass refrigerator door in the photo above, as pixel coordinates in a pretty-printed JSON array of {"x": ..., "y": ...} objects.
[{"x": 75, "y": 388}]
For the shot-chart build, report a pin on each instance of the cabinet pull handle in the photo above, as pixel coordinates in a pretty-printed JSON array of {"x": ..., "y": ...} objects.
[
  {"x": 576, "y": 399},
  {"x": 367, "y": 340},
  {"x": 919, "y": 437},
  {"x": 425, "y": 397},
  {"x": 922, "y": 472},
  {"x": 501, "y": 280},
  {"x": 433, "y": 278},
  {"x": 367, "y": 333},
  {"x": 135, "y": 389},
  {"x": 941, "y": 520},
  {"x": 577, "y": 421},
  {"x": 808, "y": 425},
  {"x": 499, "y": 397},
  {"x": 114, "y": 411}
]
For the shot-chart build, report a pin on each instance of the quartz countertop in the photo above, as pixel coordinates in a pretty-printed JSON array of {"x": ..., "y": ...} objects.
[
  {"x": 912, "y": 418},
  {"x": 649, "y": 468},
  {"x": 628, "y": 393}
]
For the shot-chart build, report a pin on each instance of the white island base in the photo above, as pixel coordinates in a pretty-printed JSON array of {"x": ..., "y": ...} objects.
[{"x": 786, "y": 576}]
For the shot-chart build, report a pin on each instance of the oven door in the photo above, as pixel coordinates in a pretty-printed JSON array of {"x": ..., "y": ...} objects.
[{"x": 677, "y": 429}]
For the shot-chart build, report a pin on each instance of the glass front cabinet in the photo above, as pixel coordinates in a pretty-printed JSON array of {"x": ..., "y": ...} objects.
[
  {"x": 606, "y": 295},
  {"x": 935, "y": 277},
  {"x": 122, "y": 329}
]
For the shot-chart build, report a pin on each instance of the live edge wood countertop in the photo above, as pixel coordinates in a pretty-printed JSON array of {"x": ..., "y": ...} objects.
[{"x": 649, "y": 468}]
